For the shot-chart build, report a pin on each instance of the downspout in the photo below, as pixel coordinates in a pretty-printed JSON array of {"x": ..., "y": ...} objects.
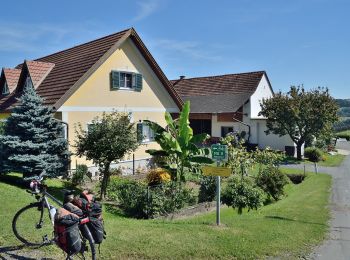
[
  {"x": 67, "y": 132},
  {"x": 245, "y": 125}
]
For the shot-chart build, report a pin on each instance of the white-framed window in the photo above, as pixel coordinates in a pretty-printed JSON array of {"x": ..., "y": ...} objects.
[
  {"x": 5, "y": 89},
  {"x": 145, "y": 134},
  {"x": 126, "y": 80}
]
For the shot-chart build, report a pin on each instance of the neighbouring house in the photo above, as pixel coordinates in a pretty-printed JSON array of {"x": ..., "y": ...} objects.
[
  {"x": 227, "y": 103},
  {"x": 115, "y": 72},
  {"x": 118, "y": 73}
]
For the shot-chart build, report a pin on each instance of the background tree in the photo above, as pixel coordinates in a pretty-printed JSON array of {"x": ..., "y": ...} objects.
[
  {"x": 300, "y": 114},
  {"x": 108, "y": 139},
  {"x": 33, "y": 140},
  {"x": 179, "y": 145}
]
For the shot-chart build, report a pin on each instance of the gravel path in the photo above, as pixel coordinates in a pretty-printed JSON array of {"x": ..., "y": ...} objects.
[{"x": 337, "y": 247}]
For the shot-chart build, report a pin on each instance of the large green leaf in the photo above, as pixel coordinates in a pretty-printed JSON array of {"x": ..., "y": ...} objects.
[
  {"x": 201, "y": 159},
  {"x": 200, "y": 138},
  {"x": 185, "y": 131},
  {"x": 155, "y": 152},
  {"x": 170, "y": 122},
  {"x": 171, "y": 142},
  {"x": 155, "y": 127}
]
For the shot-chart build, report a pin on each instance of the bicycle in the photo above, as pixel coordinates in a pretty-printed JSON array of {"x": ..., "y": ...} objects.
[{"x": 35, "y": 228}]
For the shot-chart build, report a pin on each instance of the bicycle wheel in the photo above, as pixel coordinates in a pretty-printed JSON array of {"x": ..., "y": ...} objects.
[{"x": 31, "y": 226}]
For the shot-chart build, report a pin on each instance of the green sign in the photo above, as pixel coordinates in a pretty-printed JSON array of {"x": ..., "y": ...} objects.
[{"x": 219, "y": 152}]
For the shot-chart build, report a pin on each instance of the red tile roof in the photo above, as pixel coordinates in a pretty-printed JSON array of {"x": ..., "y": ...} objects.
[
  {"x": 12, "y": 77},
  {"x": 70, "y": 68},
  {"x": 38, "y": 71}
]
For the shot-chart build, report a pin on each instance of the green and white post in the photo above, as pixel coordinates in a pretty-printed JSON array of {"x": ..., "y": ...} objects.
[{"x": 218, "y": 153}]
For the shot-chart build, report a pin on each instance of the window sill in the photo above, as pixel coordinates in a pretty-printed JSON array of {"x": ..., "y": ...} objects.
[{"x": 147, "y": 142}]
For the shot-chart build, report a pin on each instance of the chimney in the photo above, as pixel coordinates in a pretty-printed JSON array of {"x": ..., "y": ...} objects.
[{"x": 182, "y": 77}]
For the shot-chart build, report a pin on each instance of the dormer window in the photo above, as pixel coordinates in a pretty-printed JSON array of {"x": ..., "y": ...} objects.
[
  {"x": 28, "y": 82},
  {"x": 5, "y": 89}
]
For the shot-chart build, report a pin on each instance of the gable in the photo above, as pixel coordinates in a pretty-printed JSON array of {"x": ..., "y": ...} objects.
[
  {"x": 95, "y": 93},
  {"x": 264, "y": 90}
]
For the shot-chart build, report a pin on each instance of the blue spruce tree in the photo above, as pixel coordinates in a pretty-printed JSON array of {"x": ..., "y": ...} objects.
[{"x": 33, "y": 139}]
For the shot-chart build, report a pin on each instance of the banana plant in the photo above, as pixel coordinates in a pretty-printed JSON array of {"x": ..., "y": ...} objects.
[{"x": 181, "y": 148}]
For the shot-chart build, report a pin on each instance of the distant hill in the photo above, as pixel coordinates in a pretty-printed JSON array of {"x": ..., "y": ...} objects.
[
  {"x": 343, "y": 102},
  {"x": 344, "y": 113},
  {"x": 344, "y": 110}
]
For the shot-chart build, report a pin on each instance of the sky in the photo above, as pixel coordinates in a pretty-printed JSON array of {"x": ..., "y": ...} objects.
[{"x": 299, "y": 42}]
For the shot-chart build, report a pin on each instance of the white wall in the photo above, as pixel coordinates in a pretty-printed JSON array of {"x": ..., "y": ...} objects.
[
  {"x": 258, "y": 124},
  {"x": 216, "y": 126},
  {"x": 274, "y": 141},
  {"x": 263, "y": 91}
]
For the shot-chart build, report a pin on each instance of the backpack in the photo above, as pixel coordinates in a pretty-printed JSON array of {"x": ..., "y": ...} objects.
[
  {"x": 93, "y": 210},
  {"x": 66, "y": 231}
]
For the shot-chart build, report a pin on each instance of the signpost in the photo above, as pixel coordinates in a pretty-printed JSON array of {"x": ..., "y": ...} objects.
[
  {"x": 216, "y": 171},
  {"x": 218, "y": 153}
]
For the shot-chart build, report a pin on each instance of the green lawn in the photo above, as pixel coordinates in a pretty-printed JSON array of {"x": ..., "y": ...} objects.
[
  {"x": 289, "y": 227},
  {"x": 330, "y": 160}
]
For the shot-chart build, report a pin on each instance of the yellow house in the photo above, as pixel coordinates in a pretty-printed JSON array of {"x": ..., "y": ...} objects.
[{"x": 114, "y": 73}]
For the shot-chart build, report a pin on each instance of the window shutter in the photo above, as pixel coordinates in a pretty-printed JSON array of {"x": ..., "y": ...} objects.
[
  {"x": 139, "y": 130},
  {"x": 115, "y": 80},
  {"x": 138, "y": 82}
]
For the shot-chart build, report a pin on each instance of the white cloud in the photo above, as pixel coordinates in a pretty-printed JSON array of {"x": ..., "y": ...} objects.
[{"x": 146, "y": 8}]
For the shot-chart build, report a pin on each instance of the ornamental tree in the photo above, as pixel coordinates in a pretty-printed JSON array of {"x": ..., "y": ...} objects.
[
  {"x": 300, "y": 114},
  {"x": 32, "y": 139},
  {"x": 108, "y": 139}
]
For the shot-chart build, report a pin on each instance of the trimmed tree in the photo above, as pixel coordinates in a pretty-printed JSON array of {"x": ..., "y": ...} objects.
[
  {"x": 300, "y": 114},
  {"x": 32, "y": 140},
  {"x": 108, "y": 139}
]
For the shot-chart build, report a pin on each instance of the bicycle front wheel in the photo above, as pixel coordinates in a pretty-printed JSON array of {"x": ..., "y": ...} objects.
[{"x": 31, "y": 226}]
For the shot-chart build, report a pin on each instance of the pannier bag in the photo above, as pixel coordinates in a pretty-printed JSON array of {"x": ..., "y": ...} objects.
[
  {"x": 96, "y": 223},
  {"x": 66, "y": 229},
  {"x": 93, "y": 210}
]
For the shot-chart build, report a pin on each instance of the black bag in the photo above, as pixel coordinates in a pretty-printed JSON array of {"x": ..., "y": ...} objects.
[
  {"x": 66, "y": 229},
  {"x": 96, "y": 222},
  {"x": 93, "y": 210},
  {"x": 96, "y": 229}
]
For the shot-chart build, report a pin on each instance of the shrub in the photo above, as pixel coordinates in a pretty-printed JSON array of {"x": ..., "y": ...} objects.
[
  {"x": 167, "y": 198},
  {"x": 272, "y": 181},
  {"x": 345, "y": 135},
  {"x": 131, "y": 196},
  {"x": 80, "y": 174},
  {"x": 116, "y": 171},
  {"x": 296, "y": 178},
  {"x": 313, "y": 154},
  {"x": 158, "y": 176},
  {"x": 240, "y": 193},
  {"x": 139, "y": 200},
  {"x": 207, "y": 189}
]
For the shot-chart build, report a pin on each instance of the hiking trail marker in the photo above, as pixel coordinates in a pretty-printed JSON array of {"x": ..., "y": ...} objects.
[{"x": 219, "y": 153}]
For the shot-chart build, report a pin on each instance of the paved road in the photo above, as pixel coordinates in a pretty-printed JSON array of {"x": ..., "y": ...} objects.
[{"x": 337, "y": 247}]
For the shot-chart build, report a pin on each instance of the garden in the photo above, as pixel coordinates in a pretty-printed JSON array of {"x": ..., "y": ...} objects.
[{"x": 167, "y": 212}]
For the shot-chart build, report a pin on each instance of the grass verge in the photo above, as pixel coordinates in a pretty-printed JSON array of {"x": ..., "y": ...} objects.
[
  {"x": 290, "y": 227},
  {"x": 330, "y": 160}
]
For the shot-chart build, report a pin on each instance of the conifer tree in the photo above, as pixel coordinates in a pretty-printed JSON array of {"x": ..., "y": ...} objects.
[{"x": 32, "y": 140}]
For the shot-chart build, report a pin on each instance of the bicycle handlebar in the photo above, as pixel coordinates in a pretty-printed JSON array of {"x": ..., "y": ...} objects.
[{"x": 36, "y": 178}]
